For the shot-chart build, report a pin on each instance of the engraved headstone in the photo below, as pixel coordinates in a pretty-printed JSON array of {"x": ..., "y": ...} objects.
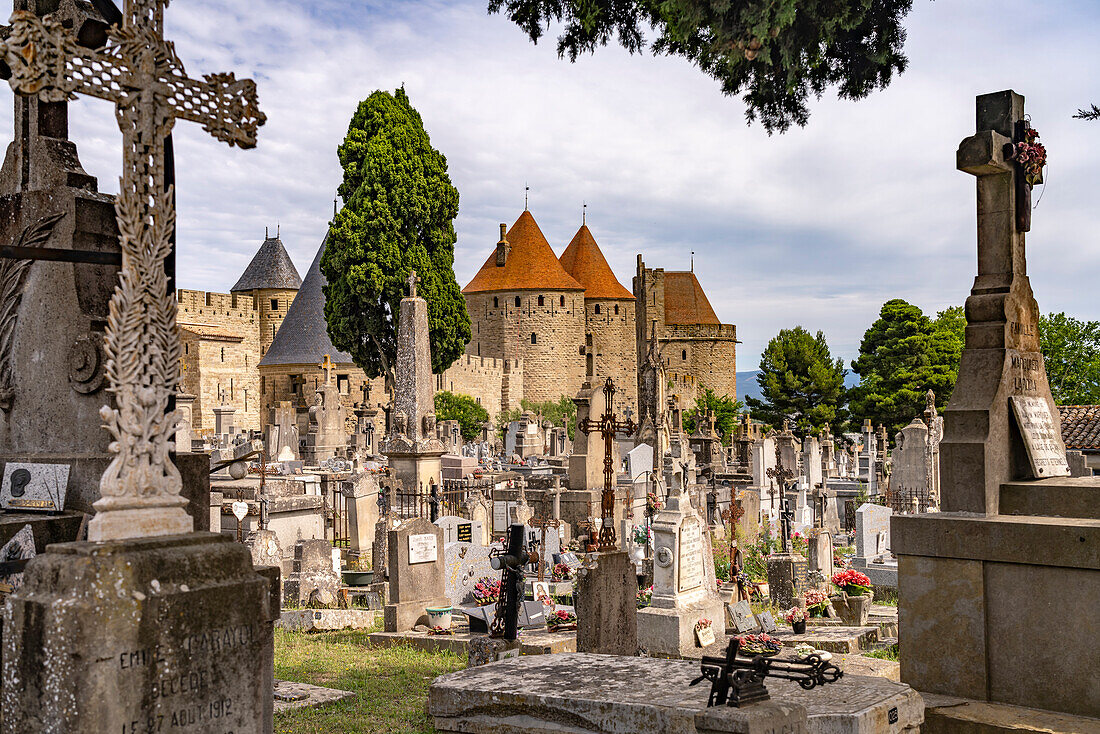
[
  {"x": 464, "y": 564},
  {"x": 1042, "y": 436},
  {"x": 742, "y": 618},
  {"x": 416, "y": 569}
]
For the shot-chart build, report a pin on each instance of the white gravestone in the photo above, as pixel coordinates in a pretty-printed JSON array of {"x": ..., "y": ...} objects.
[
  {"x": 34, "y": 486},
  {"x": 1042, "y": 438},
  {"x": 872, "y": 530}
]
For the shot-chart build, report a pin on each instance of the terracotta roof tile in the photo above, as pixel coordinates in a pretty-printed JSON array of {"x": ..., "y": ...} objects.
[
  {"x": 531, "y": 264},
  {"x": 1080, "y": 426},
  {"x": 685, "y": 301},
  {"x": 585, "y": 262}
]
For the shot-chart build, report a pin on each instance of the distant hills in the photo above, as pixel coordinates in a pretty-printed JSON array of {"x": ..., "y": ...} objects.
[{"x": 747, "y": 385}]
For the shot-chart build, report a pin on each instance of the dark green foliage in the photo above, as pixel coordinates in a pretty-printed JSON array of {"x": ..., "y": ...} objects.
[
  {"x": 725, "y": 409},
  {"x": 799, "y": 382},
  {"x": 398, "y": 216},
  {"x": 562, "y": 410},
  {"x": 777, "y": 52},
  {"x": 903, "y": 355},
  {"x": 1092, "y": 113},
  {"x": 462, "y": 408},
  {"x": 1071, "y": 353}
]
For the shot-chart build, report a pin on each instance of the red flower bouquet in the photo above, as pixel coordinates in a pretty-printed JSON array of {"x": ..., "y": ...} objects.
[{"x": 853, "y": 582}]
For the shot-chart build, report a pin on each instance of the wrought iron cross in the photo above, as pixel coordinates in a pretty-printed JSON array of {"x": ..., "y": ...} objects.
[
  {"x": 608, "y": 426},
  {"x": 733, "y": 515},
  {"x": 538, "y": 522},
  {"x": 138, "y": 70}
]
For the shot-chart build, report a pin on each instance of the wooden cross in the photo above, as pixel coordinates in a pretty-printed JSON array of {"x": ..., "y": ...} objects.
[
  {"x": 137, "y": 70},
  {"x": 538, "y": 522},
  {"x": 328, "y": 366},
  {"x": 608, "y": 426}
]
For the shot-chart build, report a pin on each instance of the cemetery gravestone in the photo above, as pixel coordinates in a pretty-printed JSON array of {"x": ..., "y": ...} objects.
[
  {"x": 313, "y": 581},
  {"x": 34, "y": 486},
  {"x": 416, "y": 569},
  {"x": 742, "y": 618},
  {"x": 458, "y": 529},
  {"x": 872, "y": 530},
  {"x": 605, "y": 598},
  {"x": 464, "y": 564}
]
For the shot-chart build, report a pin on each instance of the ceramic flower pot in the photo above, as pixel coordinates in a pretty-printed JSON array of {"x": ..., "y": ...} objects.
[
  {"x": 799, "y": 627},
  {"x": 439, "y": 617}
]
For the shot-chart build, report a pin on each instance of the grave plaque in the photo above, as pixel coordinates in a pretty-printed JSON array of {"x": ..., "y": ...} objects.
[
  {"x": 1043, "y": 440},
  {"x": 690, "y": 569},
  {"x": 422, "y": 548},
  {"x": 742, "y": 617},
  {"x": 465, "y": 532},
  {"x": 502, "y": 514},
  {"x": 34, "y": 486},
  {"x": 801, "y": 569},
  {"x": 767, "y": 622}
]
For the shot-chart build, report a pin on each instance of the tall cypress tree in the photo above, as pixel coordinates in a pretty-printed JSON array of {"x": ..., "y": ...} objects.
[{"x": 398, "y": 216}]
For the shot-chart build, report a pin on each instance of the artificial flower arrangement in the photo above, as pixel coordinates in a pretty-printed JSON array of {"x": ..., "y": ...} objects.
[
  {"x": 853, "y": 582},
  {"x": 437, "y": 630},
  {"x": 652, "y": 504},
  {"x": 760, "y": 644},
  {"x": 562, "y": 572},
  {"x": 644, "y": 597},
  {"x": 642, "y": 535},
  {"x": 1031, "y": 156},
  {"x": 816, "y": 601},
  {"x": 795, "y": 614},
  {"x": 702, "y": 624},
  {"x": 561, "y": 619},
  {"x": 486, "y": 591}
]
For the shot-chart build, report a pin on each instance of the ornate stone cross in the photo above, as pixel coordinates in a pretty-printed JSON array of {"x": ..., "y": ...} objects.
[
  {"x": 608, "y": 426},
  {"x": 138, "y": 70},
  {"x": 412, "y": 281},
  {"x": 328, "y": 366}
]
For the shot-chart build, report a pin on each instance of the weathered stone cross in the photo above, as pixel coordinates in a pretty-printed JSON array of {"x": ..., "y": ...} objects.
[
  {"x": 328, "y": 366},
  {"x": 412, "y": 281},
  {"x": 137, "y": 70}
]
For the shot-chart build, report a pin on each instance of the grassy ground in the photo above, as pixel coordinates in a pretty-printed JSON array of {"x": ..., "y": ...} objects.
[{"x": 391, "y": 683}]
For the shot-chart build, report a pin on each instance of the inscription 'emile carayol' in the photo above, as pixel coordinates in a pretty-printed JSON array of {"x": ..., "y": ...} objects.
[{"x": 214, "y": 642}]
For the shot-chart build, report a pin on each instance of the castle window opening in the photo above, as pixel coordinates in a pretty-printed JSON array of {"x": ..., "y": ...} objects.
[
  {"x": 540, "y": 300},
  {"x": 223, "y": 354},
  {"x": 597, "y": 308},
  {"x": 534, "y": 338},
  {"x": 684, "y": 354},
  {"x": 616, "y": 309},
  {"x": 496, "y": 302},
  {"x": 274, "y": 304},
  {"x": 343, "y": 384},
  {"x": 230, "y": 388},
  {"x": 562, "y": 302},
  {"x": 517, "y": 301},
  {"x": 186, "y": 349}
]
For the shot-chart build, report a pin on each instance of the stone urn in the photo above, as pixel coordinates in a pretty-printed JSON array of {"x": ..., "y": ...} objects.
[{"x": 853, "y": 610}]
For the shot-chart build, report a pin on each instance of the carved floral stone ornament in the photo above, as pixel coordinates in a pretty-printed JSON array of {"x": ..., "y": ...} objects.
[{"x": 139, "y": 71}]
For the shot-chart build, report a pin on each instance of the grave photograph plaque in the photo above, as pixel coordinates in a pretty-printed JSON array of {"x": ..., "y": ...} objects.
[
  {"x": 422, "y": 548},
  {"x": 34, "y": 486}
]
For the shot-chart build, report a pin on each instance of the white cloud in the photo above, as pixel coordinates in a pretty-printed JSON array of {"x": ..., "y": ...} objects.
[{"x": 816, "y": 227}]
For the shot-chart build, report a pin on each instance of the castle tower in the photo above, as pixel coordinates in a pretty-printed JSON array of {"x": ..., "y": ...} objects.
[
  {"x": 609, "y": 318},
  {"x": 290, "y": 370},
  {"x": 273, "y": 281},
  {"x": 698, "y": 350},
  {"x": 524, "y": 306}
]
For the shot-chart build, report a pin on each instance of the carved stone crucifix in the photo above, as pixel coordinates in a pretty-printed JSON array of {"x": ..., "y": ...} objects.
[
  {"x": 328, "y": 366},
  {"x": 137, "y": 70}
]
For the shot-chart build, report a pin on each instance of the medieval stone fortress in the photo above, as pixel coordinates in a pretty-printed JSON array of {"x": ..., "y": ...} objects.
[
  {"x": 542, "y": 325},
  {"x": 363, "y": 497}
]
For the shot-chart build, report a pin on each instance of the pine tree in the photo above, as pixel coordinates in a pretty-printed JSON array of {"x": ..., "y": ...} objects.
[
  {"x": 778, "y": 52},
  {"x": 398, "y": 216},
  {"x": 800, "y": 382}
]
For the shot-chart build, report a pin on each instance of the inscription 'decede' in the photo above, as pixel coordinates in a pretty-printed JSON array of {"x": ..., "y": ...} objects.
[{"x": 1043, "y": 440}]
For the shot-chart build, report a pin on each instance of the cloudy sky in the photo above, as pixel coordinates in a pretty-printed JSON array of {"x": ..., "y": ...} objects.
[{"x": 816, "y": 227}]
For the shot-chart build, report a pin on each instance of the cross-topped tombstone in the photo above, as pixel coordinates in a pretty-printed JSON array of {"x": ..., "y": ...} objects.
[
  {"x": 542, "y": 524},
  {"x": 1002, "y": 365},
  {"x": 608, "y": 425},
  {"x": 328, "y": 366},
  {"x": 412, "y": 281},
  {"x": 139, "y": 71}
]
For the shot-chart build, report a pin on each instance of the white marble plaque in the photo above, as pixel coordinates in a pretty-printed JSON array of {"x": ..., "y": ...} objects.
[
  {"x": 422, "y": 548},
  {"x": 34, "y": 486},
  {"x": 690, "y": 568},
  {"x": 502, "y": 515},
  {"x": 1042, "y": 438}
]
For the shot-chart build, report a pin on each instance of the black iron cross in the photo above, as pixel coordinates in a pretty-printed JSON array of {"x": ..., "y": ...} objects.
[
  {"x": 538, "y": 522},
  {"x": 608, "y": 426},
  {"x": 786, "y": 517}
]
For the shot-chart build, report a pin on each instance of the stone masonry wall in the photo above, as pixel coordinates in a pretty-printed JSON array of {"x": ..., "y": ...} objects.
[
  {"x": 611, "y": 326},
  {"x": 277, "y": 385},
  {"x": 482, "y": 378},
  {"x": 547, "y": 338},
  {"x": 707, "y": 351}
]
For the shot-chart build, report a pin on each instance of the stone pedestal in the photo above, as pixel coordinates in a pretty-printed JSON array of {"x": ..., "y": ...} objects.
[
  {"x": 485, "y": 649},
  {"x": 166, "y": 633},
  {"x": 313, "y": 582},
  {"x": 853, "y": 610},
  {"x": 820, "y": 552},
  {"x": 605, "y": 600},
  {"x": 415, "y": 567}
]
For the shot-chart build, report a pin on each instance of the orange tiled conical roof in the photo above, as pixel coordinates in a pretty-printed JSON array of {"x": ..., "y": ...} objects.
[
  {"x": 531, "y": 264},
  {"x": 584, "y": 261},
  {"x": 685, "y": 301}
]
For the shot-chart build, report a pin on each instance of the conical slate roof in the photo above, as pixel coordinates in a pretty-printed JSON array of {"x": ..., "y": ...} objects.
[
  {"x": 585, "y": 262},
  {"x": 685, "y": 301},
  {"x": 271, "y": 267},
  {"x": 303, "y": 336},
  {"x": 530, "y": 265}
]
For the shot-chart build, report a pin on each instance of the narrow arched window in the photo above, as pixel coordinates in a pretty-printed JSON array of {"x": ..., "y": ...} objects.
[
  {"x": 684, "y": 355},
  {"x": 496, "y": 302},
  {"x": 534, "y": 338},
  {"x": 540, "y": 300},
  {"x": 616, "y": 309},
  {"x": 517, "y": 301},
  {"x": 562, "y": 302},
  {"x": 597, "y": 308}
]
